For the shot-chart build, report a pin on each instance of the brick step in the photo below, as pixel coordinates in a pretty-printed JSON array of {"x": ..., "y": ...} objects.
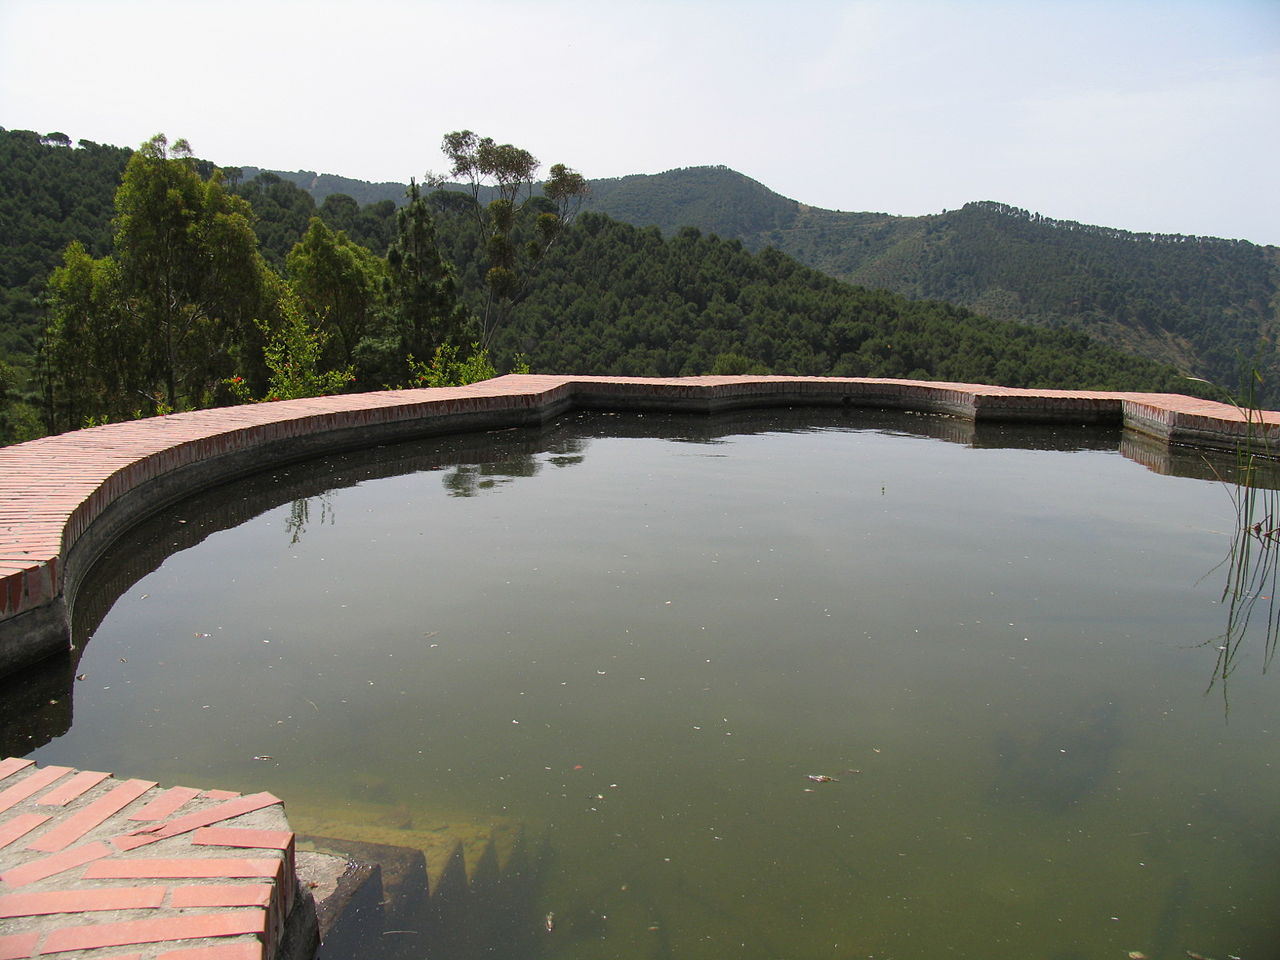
[{"x": 91, "y": 865}]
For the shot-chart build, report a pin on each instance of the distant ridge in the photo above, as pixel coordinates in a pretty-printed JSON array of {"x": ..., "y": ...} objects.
[
  {"x": 1203, "y": 304},
  {"x": 321, "y": 185},
  {"x": 1206, "y": 306}
]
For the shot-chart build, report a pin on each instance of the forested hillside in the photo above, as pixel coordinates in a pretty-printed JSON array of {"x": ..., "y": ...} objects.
[
  {"x": 50, "y": 194},
  {"x": 713, "y": 199},
  {"x": 53, "y": 191},
  {"x": 618, "y": 299},
  {"x": 322, "y": 185},
  {"x": 370, "y": 293},
  {"x": 1207, "y": 305}
]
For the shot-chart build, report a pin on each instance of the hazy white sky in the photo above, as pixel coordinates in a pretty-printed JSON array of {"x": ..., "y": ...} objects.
[{"x": 1160, "y": 116}]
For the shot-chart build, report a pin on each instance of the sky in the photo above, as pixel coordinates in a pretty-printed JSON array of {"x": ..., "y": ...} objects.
[{"x": 1148, "y": 116}]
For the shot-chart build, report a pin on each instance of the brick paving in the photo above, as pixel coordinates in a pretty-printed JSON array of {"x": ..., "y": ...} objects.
[{"x": 93, "y": 866}]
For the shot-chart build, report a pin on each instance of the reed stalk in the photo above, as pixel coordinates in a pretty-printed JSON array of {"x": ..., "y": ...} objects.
[{"x": 1253, "y": 562}]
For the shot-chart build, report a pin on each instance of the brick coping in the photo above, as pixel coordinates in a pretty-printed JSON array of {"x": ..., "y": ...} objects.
[
  {"x": 95, "y": 866},
  {"x": 64, "y": 498}
]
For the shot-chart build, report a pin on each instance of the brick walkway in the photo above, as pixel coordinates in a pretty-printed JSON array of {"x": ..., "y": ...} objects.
[{"x": 92, "y": 866}]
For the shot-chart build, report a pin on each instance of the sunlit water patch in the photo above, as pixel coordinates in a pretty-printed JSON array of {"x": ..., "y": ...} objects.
[{"x": 631, "y": 644}]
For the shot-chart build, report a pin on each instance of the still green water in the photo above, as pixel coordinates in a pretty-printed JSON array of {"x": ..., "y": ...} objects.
[{"x": 635, "y": 638}]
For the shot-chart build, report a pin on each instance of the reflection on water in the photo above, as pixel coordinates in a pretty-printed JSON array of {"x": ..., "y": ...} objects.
[
  {"x": 300, "y": 515},
  {"x": 591, "y": 671},
  {"x": 1252, "y": 565}
]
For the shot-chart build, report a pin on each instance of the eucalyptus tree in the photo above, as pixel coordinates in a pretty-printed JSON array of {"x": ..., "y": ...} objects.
[
  {"x": 518, "y": 225},
  {"x": 91, "y": 358},
  {"x": 154, "y": 326}
]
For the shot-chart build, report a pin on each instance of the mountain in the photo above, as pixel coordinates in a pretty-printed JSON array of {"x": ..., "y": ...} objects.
[
  {"x": 321, "y": 185},
  {"x": 713, "y": 199},
  {"x": 1189, "y": 301},
  {"x": 1208, "y": 306},
  {"x": 619, "y": 299}
]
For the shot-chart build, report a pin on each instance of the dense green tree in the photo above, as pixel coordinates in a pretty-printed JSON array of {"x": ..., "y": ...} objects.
[
  {"x": 154, "y": 326},
  {"x": 422, "y": 295},
  {"x": 19, "y": 419},
  {"x": 282, "y": 211},
  {"x": 340, "y": 212},
  {"x": 293, "y": 353},
  {"x": 189, "y": 265},
  {"x": 50, "y": 194},
  {"x": 618, "y": 300},
  {"x": 375, "y": 227},
  {"x": 93, "y": 352},
  {"x": 517, "y": 226},
  {"x": 342, "y": 284}
]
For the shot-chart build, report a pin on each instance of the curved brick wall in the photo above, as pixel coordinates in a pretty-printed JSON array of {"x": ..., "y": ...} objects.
[{"x": 63, "y": 499}]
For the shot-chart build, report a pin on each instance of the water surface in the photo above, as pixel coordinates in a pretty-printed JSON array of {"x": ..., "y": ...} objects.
[{"x": 630, "y": 641}]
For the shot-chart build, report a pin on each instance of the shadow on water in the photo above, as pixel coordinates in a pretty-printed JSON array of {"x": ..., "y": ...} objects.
[
  {"x": 495, "y": 913},
  {"x": 1169, "y": 937},
  {"x": 491, "y": 913},
  {"x": 1058, "y": 764},
  {"x": 36, "y": 705}
]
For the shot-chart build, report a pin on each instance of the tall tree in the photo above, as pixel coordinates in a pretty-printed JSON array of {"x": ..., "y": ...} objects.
[
  {"x": 342, "y": 284},
  {"x": 153, "y": 326},
  {"x": 93, "y": 347},
  {"x": 517, "y": 226},
  {"x": 189, "y": 266},
  {"x": 423, "y": 289}
]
